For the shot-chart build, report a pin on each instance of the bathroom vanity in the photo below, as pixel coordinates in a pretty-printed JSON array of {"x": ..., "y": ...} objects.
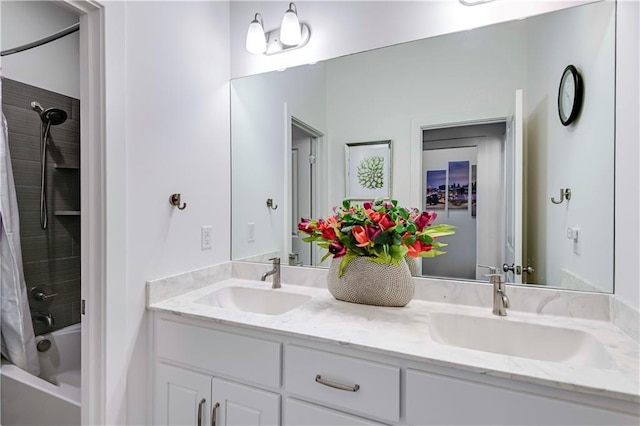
[{"x": 227, "y": 350}]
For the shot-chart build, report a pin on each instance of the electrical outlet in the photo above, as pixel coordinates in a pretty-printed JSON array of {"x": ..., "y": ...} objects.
[
  {"x": 251, "y": 232},
  {"x": 206, "y": 237}
]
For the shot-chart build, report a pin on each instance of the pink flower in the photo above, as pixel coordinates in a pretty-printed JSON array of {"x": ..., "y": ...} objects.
[
  {"x": 373, "y": 232},
  {"x": 306, "y": 226},
  {"x": 425, "y": 219},
  {"x": 367, "y": 205}
]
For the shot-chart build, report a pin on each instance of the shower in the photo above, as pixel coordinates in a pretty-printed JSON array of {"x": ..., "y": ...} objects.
[{"x": 48, "y": 117}]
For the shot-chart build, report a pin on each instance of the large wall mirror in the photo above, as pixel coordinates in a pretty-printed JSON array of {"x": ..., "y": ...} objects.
[{"x": 475, "y": 136}]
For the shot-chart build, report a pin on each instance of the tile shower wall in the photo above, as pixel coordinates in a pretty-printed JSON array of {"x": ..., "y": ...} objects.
[{"x": 51, "y": 257}]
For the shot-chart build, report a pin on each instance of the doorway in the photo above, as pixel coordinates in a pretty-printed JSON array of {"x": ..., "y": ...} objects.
[
  {"x": 304, "y": 189},
  {"x": 463, "y": 182}
]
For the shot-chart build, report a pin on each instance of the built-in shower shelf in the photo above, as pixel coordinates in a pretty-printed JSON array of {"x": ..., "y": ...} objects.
[
  {"x": 67, "y": 213},
  {"x": 66, "y": 166}
]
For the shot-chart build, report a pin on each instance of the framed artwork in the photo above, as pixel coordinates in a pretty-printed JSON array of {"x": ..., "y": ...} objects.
[
  {"x": 368, "y": 170},
  {"x": 436, "y": 190},
  {"x": 458, "y": 184}
]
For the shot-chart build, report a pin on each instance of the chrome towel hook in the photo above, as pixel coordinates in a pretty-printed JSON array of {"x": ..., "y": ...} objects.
[
  {"x": 565, "y": 194},
  {"x": 174, "y": 200},
  {"x": 270, "y": 204}
]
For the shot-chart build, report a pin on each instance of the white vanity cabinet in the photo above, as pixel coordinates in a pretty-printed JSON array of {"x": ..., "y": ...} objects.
[
  {"x": 198, "y": 367},
  {"x": 264, "y": 378}
]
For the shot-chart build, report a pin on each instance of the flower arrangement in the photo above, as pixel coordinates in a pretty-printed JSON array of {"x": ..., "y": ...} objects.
[{"x": 381, "y": 231}]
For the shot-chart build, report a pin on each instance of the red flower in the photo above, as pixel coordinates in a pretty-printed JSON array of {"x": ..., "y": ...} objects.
[
  {"x": 367, "y": 205},
  {"x": 386, "y": 222},
  {"x": 329, "y": 233}
]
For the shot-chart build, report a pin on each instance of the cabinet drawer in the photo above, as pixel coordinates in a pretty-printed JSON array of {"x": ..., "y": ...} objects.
[
  {"x": 298, "y": 413},
  {"x": 251, "y": 360},
  {"x": 378, "y": 393},
  {"x": 433, "y": 399}
]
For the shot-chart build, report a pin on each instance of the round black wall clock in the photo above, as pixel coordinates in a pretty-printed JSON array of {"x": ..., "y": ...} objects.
[{"x": 570, "y": 95}]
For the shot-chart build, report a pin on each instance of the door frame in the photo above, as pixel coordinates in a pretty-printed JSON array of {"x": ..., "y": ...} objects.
[
  {"x": 322, "y": 164},
  {"x": 93, "y": 207},
  {"x": 418, "y": 126}
]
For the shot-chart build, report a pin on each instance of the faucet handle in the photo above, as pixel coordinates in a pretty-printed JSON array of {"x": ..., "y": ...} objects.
[
  {"x": 275, "y": 260},
  {"x": 492, "y": 269}
]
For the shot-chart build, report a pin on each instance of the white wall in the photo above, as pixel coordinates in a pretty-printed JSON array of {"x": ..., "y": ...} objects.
[
  {"x": 54, "y": 66},
  {"x": 261, "y": 152},
  {"x": 343, "y": 27},
  {"x": 579, "y": 156},
  {"x": 627, "y": 253},
  {"x": 433, "y": 81},
  {"x": 167, "y": 131}
]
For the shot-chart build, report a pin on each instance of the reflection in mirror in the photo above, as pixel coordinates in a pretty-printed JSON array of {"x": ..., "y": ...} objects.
[{"x": 476, "y": 137}]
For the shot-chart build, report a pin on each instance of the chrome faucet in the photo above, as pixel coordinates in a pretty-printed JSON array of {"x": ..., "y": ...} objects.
[
  {"x": 500, "y": 299},
  {"x": 275, "y": 272}
]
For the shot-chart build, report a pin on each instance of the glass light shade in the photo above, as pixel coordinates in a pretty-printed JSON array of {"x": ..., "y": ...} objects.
[
  {"x": 256, "y": 40},
  {"x": 290, "y": 31}
]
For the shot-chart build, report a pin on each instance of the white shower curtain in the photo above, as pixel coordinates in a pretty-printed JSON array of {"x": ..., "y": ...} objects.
[{"x": 18, "y": 340}]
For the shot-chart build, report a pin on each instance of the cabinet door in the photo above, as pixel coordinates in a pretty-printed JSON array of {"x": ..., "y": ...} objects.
[
  {"x": 179, "y": 396},
  {"x": 298, "y": 413},
  {"x": 244, "y": 405}
]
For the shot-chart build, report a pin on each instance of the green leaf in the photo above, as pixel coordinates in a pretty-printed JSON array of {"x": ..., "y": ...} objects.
[
  {"x": 346, "y": 203},
  {"x": 398, "y": 252},
  {"x": 325, "y": 257},
  {"x": 410, "y": 240}
]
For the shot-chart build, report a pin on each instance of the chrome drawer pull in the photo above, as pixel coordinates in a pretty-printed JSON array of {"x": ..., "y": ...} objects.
[
  {"x": 200, "y": 407},
  {"x": 336, "y": 385},
  {"x": 214, "y": 413}
]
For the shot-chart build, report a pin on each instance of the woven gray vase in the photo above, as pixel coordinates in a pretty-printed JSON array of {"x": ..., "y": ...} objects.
[
  {"x": 412, "y": 263},
  {"x": 371, "y": 283}
]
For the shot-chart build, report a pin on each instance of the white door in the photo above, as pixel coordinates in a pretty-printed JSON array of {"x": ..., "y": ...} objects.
[
  {"x": 514, "y": 190},
  {"x": 242, "y": 405},
  {"x": 302, "y": 191},
  {"x": 182, "y": 397},
  {"x": 298, "y": 413}
]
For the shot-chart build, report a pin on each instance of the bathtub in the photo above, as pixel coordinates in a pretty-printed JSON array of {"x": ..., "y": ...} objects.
[{"x": 54, "y": 397}]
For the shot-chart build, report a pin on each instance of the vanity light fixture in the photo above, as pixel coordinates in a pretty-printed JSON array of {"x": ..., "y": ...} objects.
[
  {"x": 290, "y": 31},
  {"x": 290, "y": 36},
  {"x": 256, "y": 40}
]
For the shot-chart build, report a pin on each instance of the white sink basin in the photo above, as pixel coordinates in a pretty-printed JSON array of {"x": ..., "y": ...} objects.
[
  {"x": 255, "y": 300},
  {"x": 520, "y": 339}
]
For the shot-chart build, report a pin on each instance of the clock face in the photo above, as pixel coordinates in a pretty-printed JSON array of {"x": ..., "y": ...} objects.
[{"x": 569, "y": 95}]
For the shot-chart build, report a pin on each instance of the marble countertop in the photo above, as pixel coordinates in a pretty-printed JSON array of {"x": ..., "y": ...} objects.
[{"x": 404, "y": 332}]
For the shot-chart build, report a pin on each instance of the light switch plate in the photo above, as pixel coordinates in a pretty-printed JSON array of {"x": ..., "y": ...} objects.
[{"x": 206, "y": 236}]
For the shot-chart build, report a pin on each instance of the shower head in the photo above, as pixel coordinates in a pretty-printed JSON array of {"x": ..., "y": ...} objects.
[
  {"x": 51, "y": 116},
  {"x": 54, "y": 116}
]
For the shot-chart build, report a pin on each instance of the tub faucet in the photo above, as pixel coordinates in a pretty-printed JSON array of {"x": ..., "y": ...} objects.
[
  {"x": 500, "y": 299},
  {"x": 275, "y": 272},
  {"x": 44, "y": 318}
]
